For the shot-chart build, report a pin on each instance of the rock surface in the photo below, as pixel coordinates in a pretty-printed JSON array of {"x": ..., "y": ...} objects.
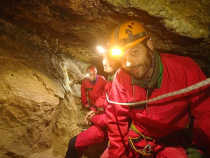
[
  {"x": 75, "y": 27},
  {"x": 38, "y": 115}
]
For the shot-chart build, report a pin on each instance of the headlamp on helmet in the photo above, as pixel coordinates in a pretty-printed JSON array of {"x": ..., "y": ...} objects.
[
  {"x": 116, "y": 51},
  {"x": 126, "y": 36}
]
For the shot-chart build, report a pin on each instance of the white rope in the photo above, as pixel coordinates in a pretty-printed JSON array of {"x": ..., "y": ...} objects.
[{"x": 170, "y": 94}]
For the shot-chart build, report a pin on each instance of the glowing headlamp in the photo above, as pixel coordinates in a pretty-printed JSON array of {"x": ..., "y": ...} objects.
[
  {"x": 116, "y": 52},
  {"x": 100, "y": 49}
]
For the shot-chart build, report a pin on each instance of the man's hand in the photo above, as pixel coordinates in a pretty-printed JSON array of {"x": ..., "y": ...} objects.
[
  {"x": 87, "y": 106},
  {"x": 88, "y": 117}
]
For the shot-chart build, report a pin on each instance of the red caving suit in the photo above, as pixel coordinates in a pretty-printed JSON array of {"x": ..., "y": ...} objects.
[
  {"x": 161, "y": 118},
  {"x": 97, "y": 132},
  {"x": 91, "y": 91}
]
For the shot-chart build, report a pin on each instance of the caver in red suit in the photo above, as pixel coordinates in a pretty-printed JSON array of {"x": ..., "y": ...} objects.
[
  {"x": 159, "y": 129},
  {"x": 91, "y": 91},
  {"x": 93, "y": 135}
]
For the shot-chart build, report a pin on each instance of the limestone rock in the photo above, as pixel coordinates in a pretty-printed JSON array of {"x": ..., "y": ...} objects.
[{"x": 35, "y": 117}]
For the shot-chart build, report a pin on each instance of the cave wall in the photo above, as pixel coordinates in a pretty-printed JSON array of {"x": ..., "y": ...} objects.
[
  {"x": 28, "y": 106},
  {"x": 39, "y": 111}
]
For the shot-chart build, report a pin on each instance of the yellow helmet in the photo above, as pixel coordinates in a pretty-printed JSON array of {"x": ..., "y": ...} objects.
[{"x": 126, "y": 36}]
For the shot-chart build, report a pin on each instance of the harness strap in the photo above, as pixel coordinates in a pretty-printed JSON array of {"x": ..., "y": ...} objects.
[
  {"x": 133, "y": 128},
  {"x": 147, "y": 150}
]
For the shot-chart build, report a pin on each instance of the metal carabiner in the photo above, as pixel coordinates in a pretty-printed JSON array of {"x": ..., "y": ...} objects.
[{"x": 148, "y": 149}]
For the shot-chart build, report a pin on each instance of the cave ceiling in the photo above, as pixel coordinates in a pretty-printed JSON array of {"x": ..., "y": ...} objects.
[{"x": 75, "y": 27}]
